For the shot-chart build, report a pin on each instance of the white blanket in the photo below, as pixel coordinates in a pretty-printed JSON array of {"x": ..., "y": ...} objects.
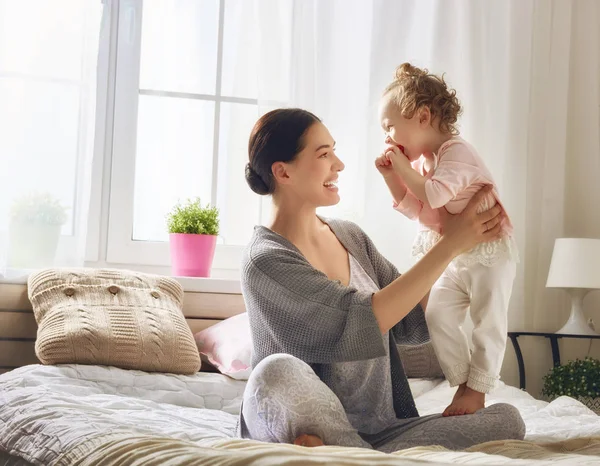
[
  {"x": 564, "y": 418},
  {"x": 46, "y": 410}
]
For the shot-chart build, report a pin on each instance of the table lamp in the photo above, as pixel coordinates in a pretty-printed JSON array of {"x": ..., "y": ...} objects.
[{"x": 575, "y": 267}]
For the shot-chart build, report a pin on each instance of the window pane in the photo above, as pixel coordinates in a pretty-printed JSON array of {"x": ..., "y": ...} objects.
[
  {"x": 179, "y": 45},
  {"x": 173, "y": 160},
  {"x": 39, "y": 126},
  {"x": 255, "y": 63},
  {"x": 48, "y": 61},
  {"x": 240, "y": 59},
  {"x": 61, "y": 24},
  {"x": 238, "y": 205}
]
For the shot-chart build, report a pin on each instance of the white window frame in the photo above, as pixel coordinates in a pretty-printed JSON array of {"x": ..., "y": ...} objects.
[{"x": 121, "y": 248}]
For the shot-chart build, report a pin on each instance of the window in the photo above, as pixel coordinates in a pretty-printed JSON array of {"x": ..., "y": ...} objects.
[
  {"x": 47, "y": 89},
  {"x": 186, "y": 98},
  {"x": 178, "y": 86}
]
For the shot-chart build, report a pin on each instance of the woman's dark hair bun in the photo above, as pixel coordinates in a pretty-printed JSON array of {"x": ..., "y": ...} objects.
[{"x": 255, "y": 182}]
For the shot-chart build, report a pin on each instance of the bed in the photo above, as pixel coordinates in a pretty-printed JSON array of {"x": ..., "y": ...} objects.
[
  {"x": 97, "y": 415},
  {"x": 75, "y": 414}
]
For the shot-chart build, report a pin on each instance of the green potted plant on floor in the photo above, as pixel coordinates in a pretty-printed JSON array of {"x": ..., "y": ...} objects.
[
  {"x": 36, "y": 220},
  {"x": 193, "y": 231},
  {"x": 579, "y": 379}
]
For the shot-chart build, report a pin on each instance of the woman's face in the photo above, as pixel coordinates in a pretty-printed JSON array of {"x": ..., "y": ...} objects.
[{"x": 313, "y": 174}]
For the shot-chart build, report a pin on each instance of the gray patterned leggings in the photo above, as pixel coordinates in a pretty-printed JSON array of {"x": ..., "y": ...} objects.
[{"x": 284, "y": 399}]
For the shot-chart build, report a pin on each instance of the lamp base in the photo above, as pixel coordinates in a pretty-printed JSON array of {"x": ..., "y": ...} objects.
[
  {"x": 577, "y": 323},
  {"x": 577, "y": 327}
]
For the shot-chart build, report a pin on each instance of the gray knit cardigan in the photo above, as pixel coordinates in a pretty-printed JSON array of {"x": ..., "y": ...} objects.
[{"x": 295, "y": 309}]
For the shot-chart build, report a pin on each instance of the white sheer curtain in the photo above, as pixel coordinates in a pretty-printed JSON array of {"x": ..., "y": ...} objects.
[
  {"x": 48, "y": 62},
  {"x": 527, "y": 73}
]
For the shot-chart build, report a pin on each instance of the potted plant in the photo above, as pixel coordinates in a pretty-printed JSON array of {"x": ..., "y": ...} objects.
[
  {"x": 193, "y": 231},
  {"x": 34, "y": 230},
  {"x": 579, "y": 379}
]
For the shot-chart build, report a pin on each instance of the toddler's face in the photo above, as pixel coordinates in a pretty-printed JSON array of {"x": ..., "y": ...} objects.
[{"x": 400, "y": 131}]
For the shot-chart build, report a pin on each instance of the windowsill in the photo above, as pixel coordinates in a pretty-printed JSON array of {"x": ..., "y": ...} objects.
[
  {"x": 210, "y": 285},
  {"x": 190, "y": 284}
]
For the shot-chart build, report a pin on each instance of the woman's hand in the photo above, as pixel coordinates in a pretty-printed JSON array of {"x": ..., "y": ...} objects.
[{"x": 466, "y": 230}]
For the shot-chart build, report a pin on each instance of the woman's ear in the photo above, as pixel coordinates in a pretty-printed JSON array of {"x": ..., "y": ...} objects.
[{"x": 280, "y": 172}]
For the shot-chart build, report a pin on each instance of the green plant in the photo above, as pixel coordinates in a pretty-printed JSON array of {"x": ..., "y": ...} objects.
[
  {"x": 577, "y": 379},
  {"x": 192, "y": 218},
  {"x": 38, "y": 208}
]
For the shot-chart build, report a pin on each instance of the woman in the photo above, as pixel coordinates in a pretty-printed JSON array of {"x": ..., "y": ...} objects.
[{"x": 326, "y": 310}]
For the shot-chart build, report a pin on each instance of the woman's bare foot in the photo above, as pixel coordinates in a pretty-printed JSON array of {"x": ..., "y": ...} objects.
[
  {"x": 470, "y": 402},
  {"x": 457, "y": 395},
  {"x": 309, "y": 441}
]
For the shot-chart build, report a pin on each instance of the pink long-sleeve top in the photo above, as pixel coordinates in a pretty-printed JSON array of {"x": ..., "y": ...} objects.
[{"x": 458, "y": 174}]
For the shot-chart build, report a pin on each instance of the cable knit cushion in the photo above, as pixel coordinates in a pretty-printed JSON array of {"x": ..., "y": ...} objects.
[{"x": 113, "y": 318}]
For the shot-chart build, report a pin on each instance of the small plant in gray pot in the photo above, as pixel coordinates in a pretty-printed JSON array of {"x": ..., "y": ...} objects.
[
  {"x": 36, "y": 220},
  {"x": 193, "y": 230}
]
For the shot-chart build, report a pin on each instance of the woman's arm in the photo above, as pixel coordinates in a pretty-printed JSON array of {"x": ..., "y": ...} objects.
[
  {"x": 395, "y": 301},
  {"x": 461, "y": 232}
]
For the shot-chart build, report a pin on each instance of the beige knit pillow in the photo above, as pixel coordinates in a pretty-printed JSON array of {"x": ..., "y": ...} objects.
[{"x": 113, "y": 318}]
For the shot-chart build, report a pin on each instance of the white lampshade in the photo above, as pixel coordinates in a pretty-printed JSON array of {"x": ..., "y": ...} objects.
[{"x": 575, "y": 264}]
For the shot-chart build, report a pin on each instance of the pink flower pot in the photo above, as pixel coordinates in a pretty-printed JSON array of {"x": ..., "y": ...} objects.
[{"x": 191, "y": 255}]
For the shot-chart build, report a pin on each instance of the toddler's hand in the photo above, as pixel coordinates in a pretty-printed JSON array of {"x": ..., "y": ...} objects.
[
  {"x": 384, "y": 165},
  {"x": 399, "y": 161}
]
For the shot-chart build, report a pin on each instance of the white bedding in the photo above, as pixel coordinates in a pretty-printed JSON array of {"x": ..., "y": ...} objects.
[
  {"x": 564, "y": 418},
  {"x": 54, "y": 407},
  {"x": 45, "y": 410}
]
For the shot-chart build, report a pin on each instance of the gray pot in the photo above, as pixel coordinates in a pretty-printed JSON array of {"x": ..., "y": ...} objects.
[{"x": 32, "y": 245}]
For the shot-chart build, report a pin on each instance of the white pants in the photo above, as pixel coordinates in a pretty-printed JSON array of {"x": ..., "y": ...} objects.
[{"x": 486, "y": 292}]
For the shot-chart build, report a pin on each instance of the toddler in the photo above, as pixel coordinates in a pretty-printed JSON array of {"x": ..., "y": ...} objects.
[{"x": 427, "y": 167}]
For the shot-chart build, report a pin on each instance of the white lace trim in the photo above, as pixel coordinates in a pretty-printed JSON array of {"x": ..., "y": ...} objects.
[{"x": 487, "y": 254}]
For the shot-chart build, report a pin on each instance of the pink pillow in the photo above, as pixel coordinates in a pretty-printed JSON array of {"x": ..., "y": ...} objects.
[{"x": 228, "y": 346}]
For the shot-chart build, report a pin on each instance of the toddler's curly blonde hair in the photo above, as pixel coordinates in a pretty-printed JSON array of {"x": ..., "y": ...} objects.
[{"x": 414, "y": 88}]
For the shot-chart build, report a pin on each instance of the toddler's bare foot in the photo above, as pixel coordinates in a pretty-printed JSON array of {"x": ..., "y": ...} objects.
[
  {"x": 470, "y": 402},
  {"x": 457, "y": 395},
  {"x": 309, "y": 441}
]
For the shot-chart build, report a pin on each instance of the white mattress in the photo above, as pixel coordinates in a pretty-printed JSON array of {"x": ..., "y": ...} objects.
[{"x": 45, "y": 410}]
